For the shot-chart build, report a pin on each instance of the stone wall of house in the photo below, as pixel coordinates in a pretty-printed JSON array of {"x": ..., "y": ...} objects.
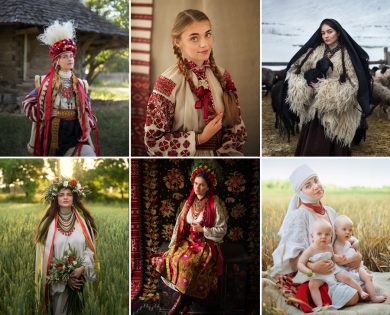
[{"x": 11, "y": 45}]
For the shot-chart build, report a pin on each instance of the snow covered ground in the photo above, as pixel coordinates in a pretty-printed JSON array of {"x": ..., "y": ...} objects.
[{"x": 288, "y": 24}]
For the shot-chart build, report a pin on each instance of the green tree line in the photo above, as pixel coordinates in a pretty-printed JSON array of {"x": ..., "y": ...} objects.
[{"x": 107, "y": 177}]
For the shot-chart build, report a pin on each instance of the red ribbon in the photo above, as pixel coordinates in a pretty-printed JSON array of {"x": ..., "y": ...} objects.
[
  {"x": 204, "y": 101},
  {"x": 49, "y": 258},
  {"x": 37, "y": 144},
  {"x": 84, "y": 100}
]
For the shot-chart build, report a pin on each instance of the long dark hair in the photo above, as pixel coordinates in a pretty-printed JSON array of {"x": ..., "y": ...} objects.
[{"x": 51, "y": 211}]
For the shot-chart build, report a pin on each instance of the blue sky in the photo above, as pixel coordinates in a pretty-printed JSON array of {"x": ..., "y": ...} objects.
[{"x": 343, "y": 172}]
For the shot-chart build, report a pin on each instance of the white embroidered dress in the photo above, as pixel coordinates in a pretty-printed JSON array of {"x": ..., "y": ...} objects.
[
  {"x": 172, "y": 121},
  {"x": 78, "y": 242}
]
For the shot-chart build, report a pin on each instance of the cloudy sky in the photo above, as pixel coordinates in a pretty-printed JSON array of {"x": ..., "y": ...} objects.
[
  {"x": 343, "y": 172},
  {"x": 287, "y": 25}
]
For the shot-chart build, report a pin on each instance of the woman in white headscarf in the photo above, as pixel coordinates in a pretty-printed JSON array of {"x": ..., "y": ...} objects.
[{"x": 304, "y": 209}]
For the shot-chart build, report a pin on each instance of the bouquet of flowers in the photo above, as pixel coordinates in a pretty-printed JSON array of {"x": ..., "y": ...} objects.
[{"x": 60, "y": 271}]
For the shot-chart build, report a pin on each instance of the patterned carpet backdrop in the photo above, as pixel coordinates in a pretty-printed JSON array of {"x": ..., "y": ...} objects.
[
  {"x": 163, "y": 186},
  {"x": 141, "y": 33}
]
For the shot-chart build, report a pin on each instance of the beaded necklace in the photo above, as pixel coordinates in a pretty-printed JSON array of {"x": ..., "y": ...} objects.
[
  {"x": 197, "y": 208},
  {"x": 66, "y": 88},
  {"x": 329, "y": 52},
  {"x": 66, "y": 223}
]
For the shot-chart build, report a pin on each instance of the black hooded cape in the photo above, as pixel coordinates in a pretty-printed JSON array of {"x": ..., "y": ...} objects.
[{"x": 359, "y": 59}]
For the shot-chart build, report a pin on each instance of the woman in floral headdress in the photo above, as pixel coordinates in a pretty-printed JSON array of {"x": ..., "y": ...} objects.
[
  {"x": 66, "y": 225},
  {"x": 194, "y": 260},
  {"x": 59, "y": 106}
]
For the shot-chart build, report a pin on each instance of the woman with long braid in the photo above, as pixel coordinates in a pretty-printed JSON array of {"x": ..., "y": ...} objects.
[
  {"x": 193, "y": 109},
  {"x": 330, "y": 106}
]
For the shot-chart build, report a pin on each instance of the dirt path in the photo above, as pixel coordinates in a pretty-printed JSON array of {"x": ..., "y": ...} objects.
[{"x": 273, "y": 144}]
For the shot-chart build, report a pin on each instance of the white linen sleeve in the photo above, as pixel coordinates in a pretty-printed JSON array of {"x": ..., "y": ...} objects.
[
  {"x": 88, "y": 263},
  {"x": 218, "y": 231},
  {"x": 294, "y": 240}
]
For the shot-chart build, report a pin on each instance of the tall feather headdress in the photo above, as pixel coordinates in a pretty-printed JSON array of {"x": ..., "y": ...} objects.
[{"x": 60, "y": 37}]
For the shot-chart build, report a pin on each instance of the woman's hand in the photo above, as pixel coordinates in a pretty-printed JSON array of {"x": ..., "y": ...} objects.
[
  {"x": 77, "y": 272},
  {"x": 355, "y": 261},
  {"x": 322, "y": 267},
  {"x": 54, "y": 112},
  {"x": 211, "y": 129},
  {"x": 340, "y": 259},
  {"x": 75, "y": 284},
  {"x": 197, "y": 227},
  {"x": 354, "y": 242}
]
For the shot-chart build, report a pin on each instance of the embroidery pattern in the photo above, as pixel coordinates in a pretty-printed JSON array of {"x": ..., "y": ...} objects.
[{"x": 164, "y": 86}]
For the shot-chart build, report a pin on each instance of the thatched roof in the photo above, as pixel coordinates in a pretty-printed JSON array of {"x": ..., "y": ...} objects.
[{"x": 43, "y": 12}]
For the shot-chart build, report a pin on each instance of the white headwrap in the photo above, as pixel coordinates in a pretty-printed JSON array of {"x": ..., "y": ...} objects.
[{"x": 298, "y": 178}]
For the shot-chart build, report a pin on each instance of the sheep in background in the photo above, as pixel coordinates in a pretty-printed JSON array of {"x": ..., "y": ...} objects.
[{"x": 381, "y": 97}]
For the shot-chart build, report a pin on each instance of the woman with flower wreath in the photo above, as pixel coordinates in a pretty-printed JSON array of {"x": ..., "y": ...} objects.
[
  {"x": 194, "y": 261},
  {"x": 66, "y": 224},
  {"x": 59, "y": 106},
  {"x": 193, "y": 109}
]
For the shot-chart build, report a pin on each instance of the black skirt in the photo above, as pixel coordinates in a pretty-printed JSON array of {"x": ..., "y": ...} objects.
[
  {"x": 68, "y": 135},
  {"x": 313, "y": 142}
]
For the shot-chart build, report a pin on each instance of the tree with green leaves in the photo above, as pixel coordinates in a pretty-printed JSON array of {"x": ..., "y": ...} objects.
[
  {"x": 25, "y": 173},
  {"x": 116, "y": 11},
  {"x": 111, "y": 173}
]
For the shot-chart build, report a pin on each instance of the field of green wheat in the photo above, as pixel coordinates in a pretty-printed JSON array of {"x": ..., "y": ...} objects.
[
  {"x": 368, "y": 208},
  {"x": 109, "y": 295}
]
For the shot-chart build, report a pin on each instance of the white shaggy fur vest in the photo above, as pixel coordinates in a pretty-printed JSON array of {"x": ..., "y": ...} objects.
[{"x": 335, "y": 103}]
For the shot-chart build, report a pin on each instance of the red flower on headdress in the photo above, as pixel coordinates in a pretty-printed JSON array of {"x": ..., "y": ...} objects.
[
  {"x": 203, "y": 169},
  {"x": 62, "y": 46},
  {"x": 73, "y": 182}
]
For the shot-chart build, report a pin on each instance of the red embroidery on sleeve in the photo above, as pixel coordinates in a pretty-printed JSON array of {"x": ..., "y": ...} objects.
[{"x": 164, "y": 86}]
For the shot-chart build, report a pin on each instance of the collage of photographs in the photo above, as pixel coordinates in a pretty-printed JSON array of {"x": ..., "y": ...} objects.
[{"x": 190, "y": 157}]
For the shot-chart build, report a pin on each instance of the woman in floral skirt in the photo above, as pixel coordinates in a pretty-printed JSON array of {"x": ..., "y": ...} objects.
[
  {"x": 66, "y": 226},
  {"x": 194, "y": 260}
]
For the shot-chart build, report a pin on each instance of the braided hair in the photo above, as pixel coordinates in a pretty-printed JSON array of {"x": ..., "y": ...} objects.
[{"x": 183, "y": 19}]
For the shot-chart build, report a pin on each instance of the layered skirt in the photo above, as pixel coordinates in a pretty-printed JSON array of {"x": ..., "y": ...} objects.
[{"x": 189, "y": 266}]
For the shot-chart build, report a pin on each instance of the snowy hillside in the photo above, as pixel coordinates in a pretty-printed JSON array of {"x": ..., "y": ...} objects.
[{"x": 288, "y": 24}]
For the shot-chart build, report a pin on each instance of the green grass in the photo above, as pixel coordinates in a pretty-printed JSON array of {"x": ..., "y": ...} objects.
[
  {"x": 110, "y": 93},
  {"x": 113, "y": 122},
  {"x": 110, "y": 293},
  {"x": 109, "y": 90}
]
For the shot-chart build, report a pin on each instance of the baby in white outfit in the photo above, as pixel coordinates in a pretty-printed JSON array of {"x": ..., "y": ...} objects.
[{"x": 344, "y": 254}]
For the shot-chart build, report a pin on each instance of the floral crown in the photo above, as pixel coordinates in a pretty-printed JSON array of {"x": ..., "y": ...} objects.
[
  {"x": 208, "y": 173},
  {"x": 73, "y": 184}
]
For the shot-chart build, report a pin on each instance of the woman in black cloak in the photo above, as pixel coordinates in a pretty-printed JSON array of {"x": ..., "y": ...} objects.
[{"x": 330, "y": 106}]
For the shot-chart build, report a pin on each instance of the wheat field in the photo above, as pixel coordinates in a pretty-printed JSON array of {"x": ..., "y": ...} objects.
[
  {"x": 110, "y": 293},
  {"x": 368, "y": 208}
]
